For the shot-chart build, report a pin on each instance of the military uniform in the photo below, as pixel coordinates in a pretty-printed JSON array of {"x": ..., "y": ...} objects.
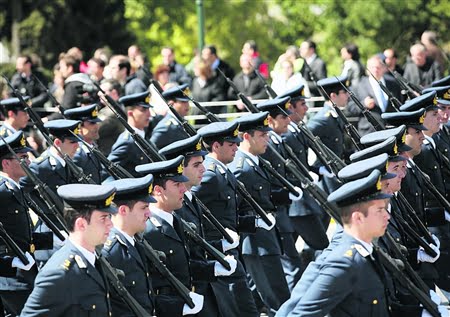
[
  {"x": 218, "y": 192},
  {"x": 261, "y": 250},
  {"x": 88, "y": 162},
  {"x": 87, "y": 294},
  {"x": 124, "y": 256},
  {"x": 127, "y": 154},
  {"x": 6, "y": 130},
  {"x": 167, "y": 130}
]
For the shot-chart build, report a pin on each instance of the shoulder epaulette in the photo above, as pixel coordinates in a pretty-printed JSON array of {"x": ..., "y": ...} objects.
[
  {"x": 250, "y": 162},
  {"x": 68, "y": 262},
  {"x": 240, "y": 163},
  {"x": 126, "y": 135},
  {"x": 361, "y": 250},
  {"x": 155, "y": 222},
  {"x": 42, "y": 158},
  {"x": 211, "y": 167},
  {"x": 221, "y": 169}
]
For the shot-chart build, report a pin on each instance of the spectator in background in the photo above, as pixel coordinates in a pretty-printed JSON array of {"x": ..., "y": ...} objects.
[
  {"x": 353, "y": 69},
  {"x": 391, "y": 60},
  {"x": 369, "y": 92},
  {"x": 96, "y": 67},
  {"x": 209, "y": 54},
  {"x": 430, "y": 40},
  {"x": 78, "y": 54},
  {"x": 318, "y": 67},
  {"x": 247, "y": 82},
  {"x": 251, "y": 49},
  {"x": 421, "y": 70},
  {"x": 57, "y": 86},
  {"x": 206, "y": 87},
  {"x": 103, "y": 53},
  {"x": 110, "y": 128},
  {"x": 139, "y": 63},
  {"x": 292, "y": 54},
  {"x": 26, "y": 84},
  {"x": 74, "y": 81},
  {"x": 120, "y": 70},
  {"x": 162, "y": 75},
  {"x": 177, "y": 72},
  {"x": 288, "y": 79}
]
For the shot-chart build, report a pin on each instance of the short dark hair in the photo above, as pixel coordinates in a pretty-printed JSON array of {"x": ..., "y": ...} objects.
[
  {"x": 347, "y": 211},
  {"x": 160, "y": 181},
  {"x": 27, "y": 58},
  {"x": 129, "y": 203},
  {"x": 252, "y": 45},
  {"x": 353, "y": 50},
  {"x": 71, "y": 215},
  {"x": 311, "y": 44},
  {"x": 209, "y": 142},
  {"x": 70, "y": 60},
  {"x": 212, "y": 49},
  {"x": 125, "y": 63},
  {"x": 99, "y": 62}
]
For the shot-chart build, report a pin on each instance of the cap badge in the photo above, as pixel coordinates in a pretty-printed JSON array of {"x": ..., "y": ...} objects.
[
  {"x": 379, "y": 183},
  {"x": 109, "y": 200},
  {"x": 94, "y": 113},
  {"x": 150, "y": 188},
  {"x": 198, "y": 146},
  {"x": 180, "y": 168},
  {"x": 395, "y": 149},
  {"x": 422, "y": 118}
]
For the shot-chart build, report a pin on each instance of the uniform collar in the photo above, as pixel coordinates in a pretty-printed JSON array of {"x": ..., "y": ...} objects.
[
  {"x": 90, "y": 256},
  {"x": 431, "y": 141},
  {"x": 218, "y": 162},
  {"x": 127, "y": 236},
  {"x": 367, "y": 246},
  {"x": 253, "y": 157},
  {"x": 54, "y": 153},
  {"x": 140, "y": 132},
  {"x": 7, "y": 125},
  {"x": 188, "y": 194},
  {"x": 167, "y": 216}
]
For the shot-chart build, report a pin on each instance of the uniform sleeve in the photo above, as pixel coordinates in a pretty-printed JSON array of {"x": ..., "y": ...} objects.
[
  {"x": 50, "y": 295},
  {"x": 331, "y": 286}
]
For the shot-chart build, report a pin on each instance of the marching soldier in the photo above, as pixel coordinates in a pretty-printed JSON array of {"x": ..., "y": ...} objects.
[
  {"x": 191, "y": 149},
  {"x": 305, "y": 214},
  {"x": 261, "y": 250},
  {"x": 124, "y": 151},
  {"x": 350, "y": 278},
  {"x": 121, "y": 248},
  {"x": 90, "y": 124},
  {"x": 278, "y": 121},
  {"x": 72, "y": 283},
  {"x": 217, "y": 191},
  {"x": 169, "y": 129},
  {"x": 16, "y": 281},
  {"x": 16, "y": 118},
  {"x": 164, "y": 231},
  {"x": 51, "y": 169}
]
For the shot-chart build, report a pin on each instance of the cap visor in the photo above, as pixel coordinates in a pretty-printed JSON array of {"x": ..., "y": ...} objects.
[
  {"x": 179, "y": 179},
  {"x": 182, "y": 99},
  {"x": 397, "y": 158},
  {"x": 418, "y": 127},
  {"x": 112, "y": 209},
  {"x": 25, "y": 149},
  {"x": 95, "y": 120},
  {"x": 404, "y": 148},
  {"x": 381, "y": 196},
  {"x": 146, "y": 199},
  {"x": 444, "y": 102},
  {"x": 388, "y": 176},
  {"x": 233, "y": 140}
]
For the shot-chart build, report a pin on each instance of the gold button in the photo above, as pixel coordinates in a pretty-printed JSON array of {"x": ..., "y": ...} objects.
[
  {"x": 57, "y": 186},
  {"x": 107, "y": 295},
  {"x": 17, "y": 211},
  {"x": 375, "y": 302},
  {"x": 170, "y": 251},
  {"x": 93, "y": 306},
  {"x": 149, "y": 292},
  {"x": 229, "y": 197},
  {"x": 148, "y": 275},
  {"x": 337, "y": 139},
  {"x": 134, "y": 283},
  {"x": 141, "y": 158}
]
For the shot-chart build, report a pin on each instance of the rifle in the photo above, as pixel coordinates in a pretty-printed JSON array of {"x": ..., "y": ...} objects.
[
  {"x": 112, "y": 276},
  {"x": 45, "y": 193},
  {"x": 76, "y": 171},
  {"x": 207, "y": 214},
  {"x": 153, "y": 256},
  {"x": 50, "y": 95},
  {"x": 366, "y": 112},
  {"x": 12, "y": 245},
  {"x": 149, "y": 151},
  {"x": 253, "y": 109},
  {"x": 396, "y": 104},
  {"x": 349, "y": 128},
  {"x": 270, "y": 92},
  {"x": 113, "y": 168},
  {"x": 406, "y": 87},
  {"x": 195, "y": 237}
]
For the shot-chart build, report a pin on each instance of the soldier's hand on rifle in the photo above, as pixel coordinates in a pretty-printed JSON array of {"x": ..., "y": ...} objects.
[
  {"x": 228, "y": 246},
  {"x": 220, "y": 270},
  {"x": 198, "y": 302},
  {"x": 20, "y": 265},
  {"x": 324, "y": 172},
  {"x": 369, "y": 102},
  {"x": 422, "y": 256},
  {"x": 260, "y": 223},
  {"x": 296, "y": 198}
]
